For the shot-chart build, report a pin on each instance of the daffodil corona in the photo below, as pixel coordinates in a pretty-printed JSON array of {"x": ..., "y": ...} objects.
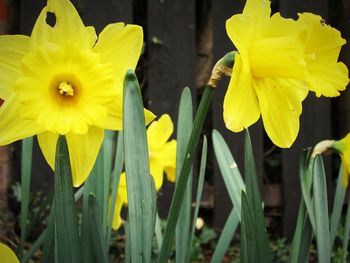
[
  {"x": 162, "y": 156},
  {"x": 279, "y": 60},
  {"x": 63, "y": 79}
]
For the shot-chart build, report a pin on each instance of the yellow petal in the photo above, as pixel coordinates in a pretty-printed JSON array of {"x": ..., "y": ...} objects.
[
  {"x": 279, "y": 26},
  {"x": 280, "y": 104},
  {"x": 167, "y": 154},
  {"x": 121, "y": 46},
  {"x": 241, "y": 108},
  {"x": 122, "y": 199},
  {"x": 117, "y": 220},
  {"x": 327, "y": 79},
  {"x": 68, "y": 26},
  {"x": 242, "y": 30},
  {"x": 319, "y": 32},
  {"x": 47, "y": 142},
  {"x": 279, "y": 50},
  {"x": 122, "y": 190},
  {"x": 259, "y": 8},
  {"x": 346, "y": 169},
  {"x": 83, "y": 151},
  {"x": 7, "y": 255},
  {"x": 159, "y": 132},
  {"x": 170, "y": 173},
  {"x": 157, "y": 169},
  {"x": 92, "y": 35},
  {"x": 12, "y": 126},
  {"x": 12, "y": 50}
]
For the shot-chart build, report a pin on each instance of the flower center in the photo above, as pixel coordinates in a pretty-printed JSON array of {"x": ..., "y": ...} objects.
[{"x": 66, "y": 89}]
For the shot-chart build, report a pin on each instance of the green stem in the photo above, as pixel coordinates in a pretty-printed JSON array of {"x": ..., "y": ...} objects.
[{"x": 182, "y": 181}]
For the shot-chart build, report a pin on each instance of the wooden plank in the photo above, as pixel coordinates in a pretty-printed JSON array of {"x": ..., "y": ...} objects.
[
  {"x": 341, "y": 21},
  {"x": 171, "y": 64},
  {"x": 222, "y": 10},
  {"x": 103, "y": 12},
  {"x": 29, "y": 11},
  {"x": 315, "y": 125}
]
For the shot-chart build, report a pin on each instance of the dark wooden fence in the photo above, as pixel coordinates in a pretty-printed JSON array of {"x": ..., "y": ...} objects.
[{"x": 183, "y": 39}]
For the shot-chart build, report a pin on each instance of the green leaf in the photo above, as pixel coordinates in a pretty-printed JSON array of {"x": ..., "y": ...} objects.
[
  {"x": 96, "y": 237},
  {"x": 302, "y": 237},
  {"x": 303, "y": 231},
  {"x": 108, "y": 164},
  {"x": 43, "y": 238},
  {"x": 346, "y": 235},
  {"x": 226, "y": 236},
  {"x": 229, "y": 170},
  {"x": 158, "y": 232},
  {"x": 337, "y": 207},
  {"x": 249, "y": 236},
  {"x": 198, "y": 195},
  {"x": 66, "y": 225},
  {"x": 184, "y": 127},
  {"x": 182, "y": 180},
  {"x": 321, "y": 211},
  {"x": 255, "y": 203},
  {"x": 26, "y": 172},
  {"x": 117, "y": 170},
  {"x": 49, "y": 242},
  {"x": 35, "y": 246},
  {"x": 305, "y": 175},
  {"x": 140, "y": 185},
  {"x": 127, "y": 242}
]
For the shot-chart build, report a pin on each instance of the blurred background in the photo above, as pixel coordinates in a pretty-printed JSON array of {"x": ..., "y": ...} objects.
[{"x": 182, "y": 41}]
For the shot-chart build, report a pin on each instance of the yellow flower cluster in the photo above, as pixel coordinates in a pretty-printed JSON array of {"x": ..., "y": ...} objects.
[
  {"x": 279, "y": 61},
  {"x": 162, "y": 156},
  {"x": 63, "y": 79}
]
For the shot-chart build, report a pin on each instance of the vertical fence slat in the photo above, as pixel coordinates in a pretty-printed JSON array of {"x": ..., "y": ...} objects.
[
  {"x": 171, "y": 62},
  {"x": 103, "y": 12}
]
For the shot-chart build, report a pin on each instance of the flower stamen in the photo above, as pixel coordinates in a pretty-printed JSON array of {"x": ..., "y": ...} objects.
[{"x": 66, "y": 89}]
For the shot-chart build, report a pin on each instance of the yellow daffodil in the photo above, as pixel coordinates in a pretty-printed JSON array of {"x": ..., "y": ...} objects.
[
  {"x": 7, "y": 255},
  {"x": 276, "y": 65},
  {"x": 63, "y": 79},
  {"x": 162, "y": 157},
  {"x": 343, "y": 148}
]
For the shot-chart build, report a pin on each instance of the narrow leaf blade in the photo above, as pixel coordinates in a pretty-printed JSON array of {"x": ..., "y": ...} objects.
[
  {"x": 184, "y": 127},
  {"x": 65, "y": 213},
  {"x": 140, "y": 188},
  {"x": 255, "y": 203},
  {"x": 321, "y": 211}
]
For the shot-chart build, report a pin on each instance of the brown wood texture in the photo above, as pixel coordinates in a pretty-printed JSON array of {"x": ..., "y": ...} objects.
[{"x": 171, "y": 63}]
